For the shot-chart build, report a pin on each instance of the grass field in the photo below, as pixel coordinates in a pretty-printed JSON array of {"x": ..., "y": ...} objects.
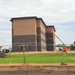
[{"x": 38, "y": 58}]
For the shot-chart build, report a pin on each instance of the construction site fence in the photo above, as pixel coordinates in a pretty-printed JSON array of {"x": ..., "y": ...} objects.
[{"x": 21, "y": 47}]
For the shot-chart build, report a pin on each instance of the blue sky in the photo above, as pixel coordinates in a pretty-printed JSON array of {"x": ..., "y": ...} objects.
[{"x": 60, "y": 13}]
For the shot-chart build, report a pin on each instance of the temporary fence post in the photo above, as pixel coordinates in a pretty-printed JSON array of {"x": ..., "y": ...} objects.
[
  {"x": 63, "y": 58},
  {"x": 27, "y": 47},
  {"x": 24, "y": 54}
]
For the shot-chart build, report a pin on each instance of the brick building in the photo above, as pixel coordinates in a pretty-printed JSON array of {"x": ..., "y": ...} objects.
[{"x": 32, "y": 32}]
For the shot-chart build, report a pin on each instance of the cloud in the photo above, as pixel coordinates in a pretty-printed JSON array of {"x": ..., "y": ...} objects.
[
  {"x": 61, "y": 13},
  {"x": 66, "y": 32},
  {"x": 53, "y": 11}
]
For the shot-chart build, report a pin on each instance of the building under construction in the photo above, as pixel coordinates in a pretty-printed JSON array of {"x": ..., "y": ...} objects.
[{"x": 33, "y": 33}]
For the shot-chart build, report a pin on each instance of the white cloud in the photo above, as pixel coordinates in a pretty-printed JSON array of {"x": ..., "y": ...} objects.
[
  {"x": 64, "y": 27},
  {"x": 52, "y": 11}
]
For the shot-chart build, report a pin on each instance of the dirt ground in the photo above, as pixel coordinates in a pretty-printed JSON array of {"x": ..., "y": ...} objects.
[{"x": 37, "y": 70}]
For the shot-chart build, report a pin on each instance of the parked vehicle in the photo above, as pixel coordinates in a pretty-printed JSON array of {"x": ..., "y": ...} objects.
[{"x": 5, "y": 50}]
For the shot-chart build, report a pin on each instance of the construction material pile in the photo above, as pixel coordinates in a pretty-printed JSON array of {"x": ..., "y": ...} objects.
[{"x": 2, "y": 55}]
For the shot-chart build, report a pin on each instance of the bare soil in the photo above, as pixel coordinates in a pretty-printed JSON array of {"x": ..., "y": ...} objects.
[{"x": 37, "y": 70}]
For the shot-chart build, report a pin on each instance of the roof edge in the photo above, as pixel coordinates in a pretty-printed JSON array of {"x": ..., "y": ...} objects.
[
  {"x": 29, "y": 17},
  {"x": 52, "y": 26},
  {"x": 42, "y": 21}
]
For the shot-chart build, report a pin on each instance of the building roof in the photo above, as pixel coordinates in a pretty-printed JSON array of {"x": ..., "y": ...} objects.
[
  {"x": 51, "y": 26},
  {"x": 30, "y": 17},
  {"x": 22, "y": 18}
]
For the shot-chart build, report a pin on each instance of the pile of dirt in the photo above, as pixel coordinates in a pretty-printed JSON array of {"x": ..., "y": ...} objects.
[
  {"x": 37, "y": 70},
  {"x": 2, "y": 55}
]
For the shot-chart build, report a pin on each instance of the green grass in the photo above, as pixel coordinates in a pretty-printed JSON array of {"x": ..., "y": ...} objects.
[{"x": 38, "y": 58}]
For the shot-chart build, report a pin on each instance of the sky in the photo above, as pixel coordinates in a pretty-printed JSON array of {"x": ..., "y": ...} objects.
[{"x": 60, "y": 13}]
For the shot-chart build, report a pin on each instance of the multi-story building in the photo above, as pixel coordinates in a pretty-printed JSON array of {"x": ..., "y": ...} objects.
[{"x": 32, "y": 32}]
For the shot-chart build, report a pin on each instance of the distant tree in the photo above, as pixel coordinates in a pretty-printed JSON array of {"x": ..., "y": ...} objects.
[
  {"x": 71, "y": 47},
  {"x": 68, "y": 46},
  {"x": 58, "y": 45},
  {"x": 74, "y": 45}
]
